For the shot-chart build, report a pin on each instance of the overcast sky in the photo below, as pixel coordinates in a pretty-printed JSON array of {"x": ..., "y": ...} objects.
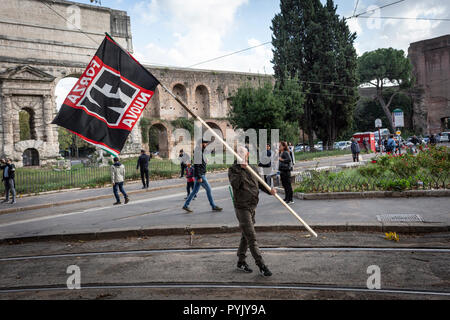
[{"x": 185, "y": 32}]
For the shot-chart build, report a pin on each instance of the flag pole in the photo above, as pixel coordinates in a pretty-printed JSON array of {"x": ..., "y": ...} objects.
[{"x": 249, "y": 169}]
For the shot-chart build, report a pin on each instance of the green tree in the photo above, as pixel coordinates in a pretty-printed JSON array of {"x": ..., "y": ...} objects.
[
  {"x": 386, "y": 69},
  {"x": 24, "y": 123},
  {"x": 369, "y": 109},
  {"x": 71, "y": 142},
  {"x": 256, "y": 108},
  {"x": 312, "y": 43}
]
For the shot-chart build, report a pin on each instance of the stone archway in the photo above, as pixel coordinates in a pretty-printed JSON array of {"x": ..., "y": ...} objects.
[
  {"x": 159, "y": 139},
  {"x": 30, "y": 157},
  {"x": 27, "y": 124},
  {"x": 202, "y": 106},
  {"x": 216, "y": 128},
  {"x": 153, "y": 109},
  {"x": 180, "y": 91}
]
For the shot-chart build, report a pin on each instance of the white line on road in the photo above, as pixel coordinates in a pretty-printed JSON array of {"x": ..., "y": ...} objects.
[{"x": 90, "y": 210}]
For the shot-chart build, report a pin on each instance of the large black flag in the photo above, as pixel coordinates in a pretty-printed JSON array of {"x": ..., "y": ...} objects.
[{"x": 108, "y": 99}]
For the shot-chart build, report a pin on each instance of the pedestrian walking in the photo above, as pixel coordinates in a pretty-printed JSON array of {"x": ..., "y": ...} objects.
[
  {"x": 355, "y": 150},
  {"x": 117, "y": 179},
  {"x": 184, "y": 159},
  {"x": 285, "y": 168},
  {"x": 245, "y": 197},
  {"x": 391, "y": 144},
  {"x": 189, "y": 179},
  {"x": 9, "y": 171},
  {"x": 142, "y": 163},
  {"x": 365, "y": 145},
  {"x": 265, "y": 163},
  {"x": 200, "y": 178},
  {"x": 433, "y": 140}
]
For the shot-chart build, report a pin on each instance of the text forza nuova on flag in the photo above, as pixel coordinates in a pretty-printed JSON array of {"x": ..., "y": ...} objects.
[{"x": 106, "y": 102}]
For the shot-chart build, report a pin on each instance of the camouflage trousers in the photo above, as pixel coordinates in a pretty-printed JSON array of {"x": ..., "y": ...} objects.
[{"x": 246, "y": 218}]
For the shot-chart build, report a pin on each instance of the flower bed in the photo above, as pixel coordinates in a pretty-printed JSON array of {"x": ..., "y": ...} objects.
[{"x": 429, "y": 169}]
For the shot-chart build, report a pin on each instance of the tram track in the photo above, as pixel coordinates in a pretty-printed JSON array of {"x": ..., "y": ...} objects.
[
  {"x": 222, "y": 286},
  {"x": 259, "y": 286},
  {"x": 216, "y": 250}
]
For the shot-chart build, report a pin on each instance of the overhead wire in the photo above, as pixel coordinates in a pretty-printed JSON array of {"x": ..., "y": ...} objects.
[
  {"x": 378, "y": 8},
  {"x": 61, "y": 16}
]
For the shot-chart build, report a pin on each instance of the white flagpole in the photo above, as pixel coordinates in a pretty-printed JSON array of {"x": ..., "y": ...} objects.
[{"x": 239, "y": 159}]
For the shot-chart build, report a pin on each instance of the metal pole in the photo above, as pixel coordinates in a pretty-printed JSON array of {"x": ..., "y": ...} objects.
[
  {"x": 379, "y": 140},
  {"x": 239, "y": 159}
]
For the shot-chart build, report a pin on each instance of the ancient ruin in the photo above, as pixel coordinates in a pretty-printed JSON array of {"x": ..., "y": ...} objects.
[
  {"x": 431, "y": 62},
  {"x": 55, "y": 40}
]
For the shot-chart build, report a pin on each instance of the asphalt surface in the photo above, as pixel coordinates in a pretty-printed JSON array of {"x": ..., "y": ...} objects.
[{"x": 326, "y": 267}]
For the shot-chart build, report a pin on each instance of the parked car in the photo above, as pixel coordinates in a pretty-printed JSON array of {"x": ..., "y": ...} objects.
[
  {"x": 444, "y": 137},
  {"x": 343, "y": 145},
  {"x": 384, "y": 134},
  {"x": 301, "y": 148},
  {"x": 319, "y": 146}
]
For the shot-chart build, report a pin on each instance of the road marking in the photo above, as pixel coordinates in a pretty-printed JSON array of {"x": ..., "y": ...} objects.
[{"x": 90, "y": 210}]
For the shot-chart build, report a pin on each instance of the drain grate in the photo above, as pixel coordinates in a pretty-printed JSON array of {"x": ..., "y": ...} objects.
[{"x": 399, "y": 218}]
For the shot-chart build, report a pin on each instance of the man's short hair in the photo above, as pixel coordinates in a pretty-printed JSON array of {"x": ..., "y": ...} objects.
[
  {"x": 116, "y": 159},
  {"x": 142, "y": 151}
]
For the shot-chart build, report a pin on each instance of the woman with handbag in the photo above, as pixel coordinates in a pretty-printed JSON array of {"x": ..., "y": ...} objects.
[{"x": 285, "y": 168}]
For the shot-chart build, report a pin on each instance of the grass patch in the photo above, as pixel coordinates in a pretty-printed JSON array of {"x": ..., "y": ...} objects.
[
  {"x": 428, "y": 170},
  {"x": 304, "y": 156}
]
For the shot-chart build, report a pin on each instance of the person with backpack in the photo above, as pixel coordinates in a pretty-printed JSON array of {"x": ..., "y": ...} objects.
[
  {"x": 9, "y": 170},
  {"x": 184, "y": 159},
  {"x": 117, "y": 179},
  {"x": 355, "y": 150},
  {"x": 285, "y": 168},
  {"x": 391, "y": 145},
  {"x": 189, "y": 179}
]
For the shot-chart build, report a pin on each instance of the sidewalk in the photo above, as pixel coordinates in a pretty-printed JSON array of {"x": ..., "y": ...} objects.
[{"x": 63, "y": 197}]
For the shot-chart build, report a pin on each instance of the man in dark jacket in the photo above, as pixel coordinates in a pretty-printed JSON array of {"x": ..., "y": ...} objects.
[
  {"x": 355, "y": 150},
  {"x": 142, "y": 163},
  {"x": 245, "y": 197},
  {"x": 200, "y": 179},
  {"x": 8, "y": 176}
]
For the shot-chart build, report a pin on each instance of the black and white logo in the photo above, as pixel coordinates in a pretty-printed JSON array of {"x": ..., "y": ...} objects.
[{"x": 108, "y": 89}]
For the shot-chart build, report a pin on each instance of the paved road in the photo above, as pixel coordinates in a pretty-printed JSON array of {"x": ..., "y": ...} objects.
[{"x": 307, "y": 268}]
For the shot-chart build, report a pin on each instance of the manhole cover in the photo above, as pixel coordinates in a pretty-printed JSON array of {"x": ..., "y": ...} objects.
[{"x": 399, "y": 218}]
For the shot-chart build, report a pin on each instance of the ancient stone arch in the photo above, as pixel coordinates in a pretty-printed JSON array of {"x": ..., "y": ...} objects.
[
  {"x": 164, "y": 139},
  {"x": 30, "y": 157},
  {"x": 29, "y": 115},
  {"x": 177, "y": 110},
  {"x": 40, "y": 48},
  {"x": 153, "y": 109},
  {"x": 202, "y": 103}
]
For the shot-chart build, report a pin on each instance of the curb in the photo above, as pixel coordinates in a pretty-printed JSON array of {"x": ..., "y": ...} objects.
[
  {"x": 372, "y": 194},
  {"x": 61, "y": 203},
  {"x": 406, "y": 228}
]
